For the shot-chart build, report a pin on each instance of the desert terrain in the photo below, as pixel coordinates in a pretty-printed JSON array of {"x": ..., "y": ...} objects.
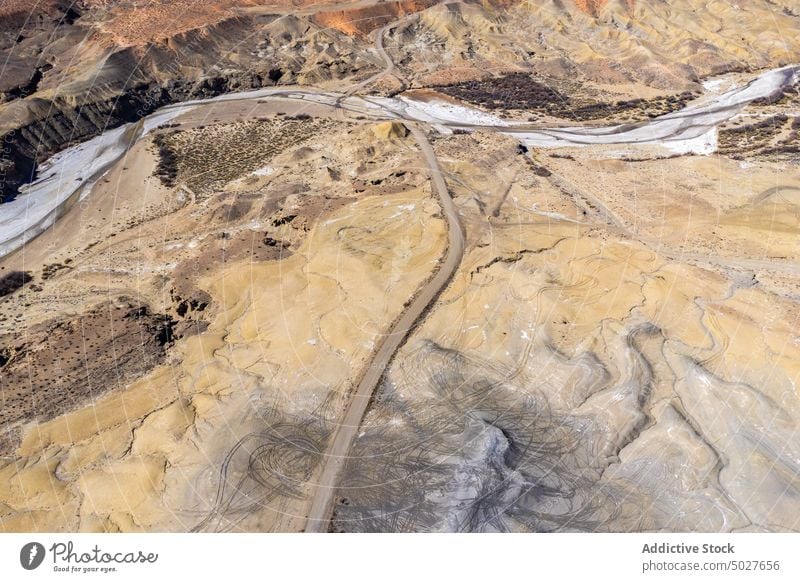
[{"x": 406, "y": 266}]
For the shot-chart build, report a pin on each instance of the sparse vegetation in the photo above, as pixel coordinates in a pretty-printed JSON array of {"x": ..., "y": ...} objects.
[
  {"x": 522, "y": 92},
  {"x": 49, "y": 271},
  {"x": 11, "y": 282},
  {"x": 775, "y": 137},
  {"x": 207, "y": 157},
  {"x": 97, "y": 351}
]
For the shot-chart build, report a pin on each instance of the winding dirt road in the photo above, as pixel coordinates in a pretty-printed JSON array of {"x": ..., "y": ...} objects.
[
  {"x": 68, "y": 173},
  {"x": 389, "y": 67},
  {"x": 336, "y": 456},
  {"x": 324, "y": 495}
]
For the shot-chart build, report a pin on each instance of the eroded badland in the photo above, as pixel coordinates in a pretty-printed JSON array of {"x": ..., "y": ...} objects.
[{"x": 615, "y": 349}]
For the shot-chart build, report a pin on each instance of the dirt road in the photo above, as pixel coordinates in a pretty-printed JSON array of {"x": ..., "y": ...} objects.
[
  {"x": 389, "y": 68},
  {"x": 339, "y": 449}
]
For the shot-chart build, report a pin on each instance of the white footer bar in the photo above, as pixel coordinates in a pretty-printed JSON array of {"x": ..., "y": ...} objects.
[{"x": 410, "y": 558}]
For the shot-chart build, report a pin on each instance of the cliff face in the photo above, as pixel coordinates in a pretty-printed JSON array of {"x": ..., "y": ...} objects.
[
  {"x": 58, "y": 125},
  {"x": 69, "y": 96},
  {"x": 45, "y": 126},
  {"x": 595, "y": 7},
  {"x": 362, "y": 21}
]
